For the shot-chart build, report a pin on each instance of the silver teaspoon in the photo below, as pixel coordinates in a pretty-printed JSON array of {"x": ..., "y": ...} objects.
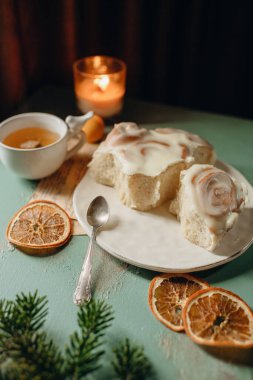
[{"x": 97, "y": 216}]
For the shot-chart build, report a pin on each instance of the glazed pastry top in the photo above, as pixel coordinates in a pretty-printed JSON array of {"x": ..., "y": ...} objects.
[
  {"x": 215, "y": 195},
  {"x": 150, "y": 152}
]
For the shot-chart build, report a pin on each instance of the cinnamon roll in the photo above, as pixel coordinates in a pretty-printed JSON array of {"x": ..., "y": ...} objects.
[
  {"x": 208, "y": 204},
  {"x": 144, "y": 165}
]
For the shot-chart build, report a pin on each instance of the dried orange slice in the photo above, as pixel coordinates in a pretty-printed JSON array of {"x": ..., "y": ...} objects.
[
  {"x": 217, "y": 317},
  {"x": 39, "y": 227},
  {"x": 168, "y": 294}
]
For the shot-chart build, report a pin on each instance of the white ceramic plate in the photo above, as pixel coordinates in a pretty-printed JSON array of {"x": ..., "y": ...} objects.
[{"x": 153, "y": 239}]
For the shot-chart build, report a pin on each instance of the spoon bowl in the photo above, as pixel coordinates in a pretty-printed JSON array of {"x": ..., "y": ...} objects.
[
  {"x": 97, "y": 216},
  {"x": 98, "y": 212}
]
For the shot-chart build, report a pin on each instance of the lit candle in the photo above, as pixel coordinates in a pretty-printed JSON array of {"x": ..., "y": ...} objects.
[{"x": 100, "y": 85}]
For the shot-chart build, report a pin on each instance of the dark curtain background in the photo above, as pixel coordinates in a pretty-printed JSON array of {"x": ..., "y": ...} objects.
[{"x": 195, "y": 53}]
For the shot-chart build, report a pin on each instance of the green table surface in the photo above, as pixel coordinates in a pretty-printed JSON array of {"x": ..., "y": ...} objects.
[{"x": 173, "y": 355}]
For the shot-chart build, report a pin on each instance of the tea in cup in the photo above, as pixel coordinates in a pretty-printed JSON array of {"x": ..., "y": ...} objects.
[
  {"x": 30, "y": 138},
  {"x": 34, "y": 145}
]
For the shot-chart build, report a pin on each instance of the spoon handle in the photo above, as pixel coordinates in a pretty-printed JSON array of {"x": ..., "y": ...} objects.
[{"x": 83, "y": 289}]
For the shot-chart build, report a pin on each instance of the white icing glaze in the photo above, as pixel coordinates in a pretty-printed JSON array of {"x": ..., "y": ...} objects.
[
  {"x": 150, "y": 152},
  {"x": 215, "y": 195}
]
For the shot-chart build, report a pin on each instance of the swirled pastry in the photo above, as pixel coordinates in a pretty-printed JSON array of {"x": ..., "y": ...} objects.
[
  {"x": 144, "y": 165},
  {"x": 208, "y": 204}
]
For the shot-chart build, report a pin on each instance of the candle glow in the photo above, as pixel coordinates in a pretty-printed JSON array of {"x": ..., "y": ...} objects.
[
  {"x": 102, "y": 82},
  {"x": 102, "y": 88}
]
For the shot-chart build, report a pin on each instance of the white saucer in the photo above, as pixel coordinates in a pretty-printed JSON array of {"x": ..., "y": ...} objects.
[{"x": 153, "y": 239}]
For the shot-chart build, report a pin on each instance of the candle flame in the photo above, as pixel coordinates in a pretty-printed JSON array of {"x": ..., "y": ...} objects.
[{"x": 102, "y": 82}]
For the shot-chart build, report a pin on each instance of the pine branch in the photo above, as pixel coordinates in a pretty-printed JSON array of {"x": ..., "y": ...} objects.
[
  {"x": 130, "y": 362},
  {"x": 30, "y": 353},
  {"x": 84, "y": 350},
  {"x": 26, "y": 313},
  {"x": 26, "y": 352}
]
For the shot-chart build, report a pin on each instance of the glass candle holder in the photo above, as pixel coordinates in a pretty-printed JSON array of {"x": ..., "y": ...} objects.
[{"x": 100, "y": 84}]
